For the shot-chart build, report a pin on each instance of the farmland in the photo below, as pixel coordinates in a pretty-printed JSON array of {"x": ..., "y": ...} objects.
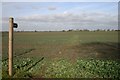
[{"x": 72, "y": 54}]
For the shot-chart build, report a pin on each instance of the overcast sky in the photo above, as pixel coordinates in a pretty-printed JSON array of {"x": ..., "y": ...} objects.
[{"x": 45, "y": 16}]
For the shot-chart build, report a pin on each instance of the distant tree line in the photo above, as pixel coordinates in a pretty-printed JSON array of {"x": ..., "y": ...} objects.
[
  {"x": 89, "y": 30},
  {"x": 70, "y": 30}
]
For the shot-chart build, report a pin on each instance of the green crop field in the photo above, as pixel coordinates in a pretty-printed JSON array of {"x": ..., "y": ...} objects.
[{"x": 79, "y": 54}]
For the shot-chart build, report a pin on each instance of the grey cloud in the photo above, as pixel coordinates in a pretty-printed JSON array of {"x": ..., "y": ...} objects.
[
  {"x": 52, "y": 8},
  {"x": 37, "y": 7},
  {"x": 18, "y": 7},
  {"x": 44, "y": 7}
]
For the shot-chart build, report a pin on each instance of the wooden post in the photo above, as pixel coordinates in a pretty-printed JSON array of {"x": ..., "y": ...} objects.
[{"x": 11, "y": 21}]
